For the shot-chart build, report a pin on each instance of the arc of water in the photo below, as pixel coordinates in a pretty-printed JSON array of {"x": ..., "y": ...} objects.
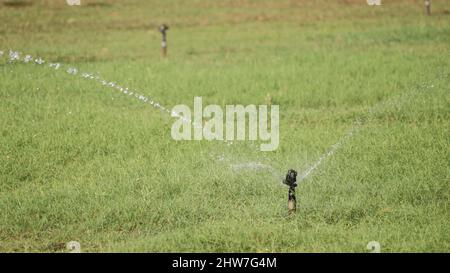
[
  {"x": 357, "y": 126},
  {"x": 16, "y": 56},
  {"x": 354, "y": 129}
]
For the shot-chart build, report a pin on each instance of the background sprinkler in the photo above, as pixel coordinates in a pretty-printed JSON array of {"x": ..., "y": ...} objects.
[
  {"x": 291, "y": 181},
  {"x": 163, "y": 28},
  {"x": 428, "y": 6}
]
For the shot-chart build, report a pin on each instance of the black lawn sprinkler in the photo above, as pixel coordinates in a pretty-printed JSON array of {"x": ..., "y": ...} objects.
[
  {"x": 291, "y": 181},
  {"x": 163, "y": 28}
]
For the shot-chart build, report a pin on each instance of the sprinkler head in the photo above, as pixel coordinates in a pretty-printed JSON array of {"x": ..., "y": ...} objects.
[
  {"x": 291, "y": 179},
  {"x": 163, "y": 28}
]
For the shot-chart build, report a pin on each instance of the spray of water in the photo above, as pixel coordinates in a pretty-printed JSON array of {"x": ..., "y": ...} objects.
[
  {"x": 16, "y": 56},
  {"x": 256, "y": 166},
  {"x": 357, "y": 126},
  {"x": 396, "y": 101}
]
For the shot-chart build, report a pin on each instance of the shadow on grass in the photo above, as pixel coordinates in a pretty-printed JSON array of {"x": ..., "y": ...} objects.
[{"x": 17, "y": 3}]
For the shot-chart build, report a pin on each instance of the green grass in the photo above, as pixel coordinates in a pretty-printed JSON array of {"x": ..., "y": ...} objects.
[{"x": 78, "y": 161}]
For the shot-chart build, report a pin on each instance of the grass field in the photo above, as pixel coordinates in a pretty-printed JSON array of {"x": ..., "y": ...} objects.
[{"x": 79, "y": 161}]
